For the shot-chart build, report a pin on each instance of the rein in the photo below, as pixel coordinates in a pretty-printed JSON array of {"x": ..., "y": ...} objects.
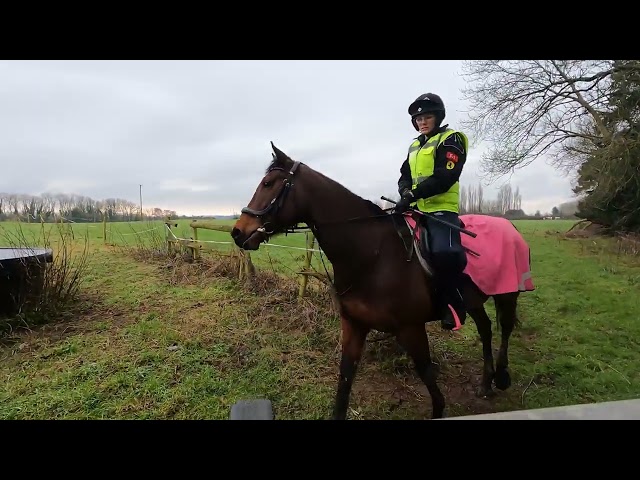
[
  {"x": 340, "y": 222},
  {"x": 276, "y": 204}
]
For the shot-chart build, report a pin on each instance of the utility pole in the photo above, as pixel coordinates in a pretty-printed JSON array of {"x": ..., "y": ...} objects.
[{"x": 141, "y": 216}]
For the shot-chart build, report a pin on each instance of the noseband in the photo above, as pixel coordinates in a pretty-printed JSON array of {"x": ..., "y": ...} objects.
[{"x": 278, "y": 200}]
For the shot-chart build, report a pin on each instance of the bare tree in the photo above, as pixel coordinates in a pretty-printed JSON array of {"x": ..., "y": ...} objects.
[
  {"x": 505, "y": 201},
  {"x": 480, "y": 198},
  {"x": 464, "y": 206},
  {"x": 12, "y": 204},
  {"x": 76, "y": 208},
  {"x": 472, "y": 196},
  {"x": 517, "y": 199},
  {"x": 49, "y": 205},
  {"x": 528, "y": 108}
]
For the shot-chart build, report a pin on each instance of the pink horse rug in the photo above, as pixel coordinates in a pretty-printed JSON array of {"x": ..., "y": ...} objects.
[{"x": 503, "y": 261}]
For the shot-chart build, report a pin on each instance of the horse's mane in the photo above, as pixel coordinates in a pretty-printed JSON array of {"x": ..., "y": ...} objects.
[
  {"x": 375, "y": 208},
  {"x": 288, "y": 163},
  {"x": 274, "y": 163}
]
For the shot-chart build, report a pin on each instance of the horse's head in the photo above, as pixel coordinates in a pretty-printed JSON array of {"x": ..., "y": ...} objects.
[{"x": 273, "y": 207}]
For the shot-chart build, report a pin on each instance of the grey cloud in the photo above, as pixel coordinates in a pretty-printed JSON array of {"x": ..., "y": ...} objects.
[{"x": 196, "y": 133}]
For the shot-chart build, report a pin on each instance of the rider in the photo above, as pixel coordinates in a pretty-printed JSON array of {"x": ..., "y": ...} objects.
[{"x": 429, "y": 180}]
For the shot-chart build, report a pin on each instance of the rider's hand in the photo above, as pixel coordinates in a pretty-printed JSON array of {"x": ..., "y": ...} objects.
[{"x": 406, "y": 200}]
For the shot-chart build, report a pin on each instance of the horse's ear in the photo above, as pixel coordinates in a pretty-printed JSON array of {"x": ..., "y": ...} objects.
[{"x": 279, "y": 155}]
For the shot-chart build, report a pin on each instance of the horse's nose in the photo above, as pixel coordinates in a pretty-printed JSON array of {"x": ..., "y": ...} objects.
[{"x": 235, "y": 233}]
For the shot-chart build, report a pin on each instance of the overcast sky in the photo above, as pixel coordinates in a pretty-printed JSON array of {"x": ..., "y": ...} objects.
[{"x": 196, "y": 134}]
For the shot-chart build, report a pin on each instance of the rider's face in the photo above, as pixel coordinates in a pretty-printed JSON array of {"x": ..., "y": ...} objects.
[{"x": 426, "y": 123}]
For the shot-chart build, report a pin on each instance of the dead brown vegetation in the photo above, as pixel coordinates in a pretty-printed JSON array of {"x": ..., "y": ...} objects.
[
  {"x": 621, "y": 243},
  {"x": 51, "y": 290}
]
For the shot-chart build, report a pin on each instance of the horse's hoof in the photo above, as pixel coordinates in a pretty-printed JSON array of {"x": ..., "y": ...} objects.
[
  {"x": 485, "y": 392},
  {"x": 437, "y": 411},
  {"x": 502, "y": 379}
]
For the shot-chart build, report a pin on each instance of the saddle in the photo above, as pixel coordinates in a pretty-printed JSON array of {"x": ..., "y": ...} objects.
[{"x": 415, "y": 237}]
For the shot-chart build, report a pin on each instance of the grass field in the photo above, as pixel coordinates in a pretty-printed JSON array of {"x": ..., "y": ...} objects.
[{"x": 161, "y": 339}]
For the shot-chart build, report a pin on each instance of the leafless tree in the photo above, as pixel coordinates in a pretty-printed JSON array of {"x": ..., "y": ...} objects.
[
  {"x": 480, "y": 198},
  {"x": 517, "y": 199},
  {"x": 464, "y": 206},
  {"x": 528, "y": 108},
  {"x": 72, "y": 207}
]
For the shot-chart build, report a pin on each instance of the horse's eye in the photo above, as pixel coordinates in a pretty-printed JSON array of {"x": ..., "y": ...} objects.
[{"x": 268, "y": 183}]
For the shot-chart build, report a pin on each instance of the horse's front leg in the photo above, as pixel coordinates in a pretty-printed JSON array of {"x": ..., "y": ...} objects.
[
  {"x": 353, "y": 338},
  {"x": 415, "y": 341}
]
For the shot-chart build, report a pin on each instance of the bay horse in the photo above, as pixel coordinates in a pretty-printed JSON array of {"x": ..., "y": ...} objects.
[{"x": 378, "y": 287}]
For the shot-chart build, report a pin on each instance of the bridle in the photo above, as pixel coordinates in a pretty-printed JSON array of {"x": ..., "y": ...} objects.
[{"x": 276, "y": 204}]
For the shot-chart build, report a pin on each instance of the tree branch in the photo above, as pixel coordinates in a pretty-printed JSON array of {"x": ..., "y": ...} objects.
[{"x": 530, "y": 108}]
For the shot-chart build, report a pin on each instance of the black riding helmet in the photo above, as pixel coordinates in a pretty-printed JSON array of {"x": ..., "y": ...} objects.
[{"x": 427, "y": 102}]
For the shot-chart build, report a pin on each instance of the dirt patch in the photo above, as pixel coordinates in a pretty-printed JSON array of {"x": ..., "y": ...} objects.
[
  {"x": 404, "y": 390},
  {"x": 388, "y": 380},
  {"x": 459, "y": 382}
]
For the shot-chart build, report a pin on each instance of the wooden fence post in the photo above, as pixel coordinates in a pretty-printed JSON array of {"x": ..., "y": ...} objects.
[
  {"x": 194, "y": 250},
  {"x": 104, "y": 227},
  {"x": 240, "y": 264},
  {"x": 168, "y": 234},
  {"x": 246, "y": 269},
  {"x": 249, "y": 268},
  {"x": 310, "y": 241}
]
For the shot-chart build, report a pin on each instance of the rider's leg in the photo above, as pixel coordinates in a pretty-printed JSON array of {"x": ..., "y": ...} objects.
[{"x": 449, "y": 259}]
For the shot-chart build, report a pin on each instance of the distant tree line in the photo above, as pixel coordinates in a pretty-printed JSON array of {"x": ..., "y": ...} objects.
[
  {"x": 583, "y": 115},
  {"x": 472, "y": 200},
  {"x": 508, "y": 202},
  {"x": 50, "y": 207}
]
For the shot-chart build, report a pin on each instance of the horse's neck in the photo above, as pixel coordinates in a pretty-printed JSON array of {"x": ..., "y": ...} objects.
[{"x": 342, "y": 241}]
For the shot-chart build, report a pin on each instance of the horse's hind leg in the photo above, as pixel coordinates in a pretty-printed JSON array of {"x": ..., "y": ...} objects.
[
  {"x": 353, "y": 338},
  {"x": 415, "y": 341},
  {"x": 483, "y": 324},
  {"x": 506, "y": 314}
]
